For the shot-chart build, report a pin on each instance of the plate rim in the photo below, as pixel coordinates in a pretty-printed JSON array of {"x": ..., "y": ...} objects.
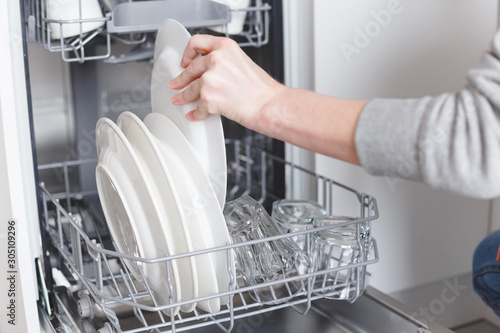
[
  {"x": 206, "y": 136},
  {"x": 187, "y": 150},
  {"x": 168, "y": 28},
  {"x": 135, "y": 271},
  {"x": 120, "y": 137},
  {"x": 128, "y": 118}
]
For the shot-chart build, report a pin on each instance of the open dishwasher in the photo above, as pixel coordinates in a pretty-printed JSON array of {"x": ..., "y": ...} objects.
[
  {"x": 82, "y": 282},
  {"x": 101, "y": 292}
]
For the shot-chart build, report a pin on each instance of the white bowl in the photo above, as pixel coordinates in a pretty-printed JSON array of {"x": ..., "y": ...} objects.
[
  {"x": 64, "y": 10},
  {"x": 237, "y": 18}
]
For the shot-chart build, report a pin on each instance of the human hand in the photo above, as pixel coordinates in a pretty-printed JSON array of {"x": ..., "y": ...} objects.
[{"x": 225, "y": 81}]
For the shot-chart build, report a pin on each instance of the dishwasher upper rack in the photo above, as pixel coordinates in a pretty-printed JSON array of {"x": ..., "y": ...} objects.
[
  {"x": 101, "y": 271},
  {"x": 192, "y": 14}
]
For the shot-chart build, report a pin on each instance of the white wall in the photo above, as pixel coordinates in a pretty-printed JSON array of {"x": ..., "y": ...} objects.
[{"x": 426, "y": 47}]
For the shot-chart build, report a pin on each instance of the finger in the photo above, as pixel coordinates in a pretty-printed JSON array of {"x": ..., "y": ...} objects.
[
  {"x": 198, "y": 44},
  {"x": 188, "y": 95},
  {"x": 193, "y": 72},
  {"x": 190, "y": 116},
  {"x": 196, "y": 115}
]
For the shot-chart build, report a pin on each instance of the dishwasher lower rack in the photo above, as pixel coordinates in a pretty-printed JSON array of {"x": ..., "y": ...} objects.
[{"x": 127, "y": 304}]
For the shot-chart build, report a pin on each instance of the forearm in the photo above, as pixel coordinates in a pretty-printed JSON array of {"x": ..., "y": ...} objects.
[
  {"x": 316, "y": 122},
  {"x": 227, "y": 82}
]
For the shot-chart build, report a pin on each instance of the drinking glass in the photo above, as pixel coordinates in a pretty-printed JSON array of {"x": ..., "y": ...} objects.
[
  {"x": 268, "y": 261},
  {"x": 337, "y": 247},
  {"x": 297, "y": 215}
]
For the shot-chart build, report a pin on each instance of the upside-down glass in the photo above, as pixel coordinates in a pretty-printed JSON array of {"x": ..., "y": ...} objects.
[
  {"x": 297, "y": 215},
  {"x": 269, "y": 261},
  {"x": 338, "y": 247}
]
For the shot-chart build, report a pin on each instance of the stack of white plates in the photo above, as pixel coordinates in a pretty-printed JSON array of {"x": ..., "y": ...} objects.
[{"x": 162, "y": 185}]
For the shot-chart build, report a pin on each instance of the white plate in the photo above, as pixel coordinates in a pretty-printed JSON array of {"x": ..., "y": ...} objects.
[
  {"x": 204, "y": 263},
  {"x": 172, "y": 219},
  {"x": 171, "y": 33},
  {"x": 207, "y": 136},
  {"x": 206, "y": 221},
  {"x": 120, "y": 220},
  {"x": 116, "y": 153}
]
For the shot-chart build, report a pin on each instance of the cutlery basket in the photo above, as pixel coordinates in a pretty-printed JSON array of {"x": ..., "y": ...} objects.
[{"x": 90, "y": 272}]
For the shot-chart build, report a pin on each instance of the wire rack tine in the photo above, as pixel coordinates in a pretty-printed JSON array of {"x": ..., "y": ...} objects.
[{"x": 345, "y": 280}]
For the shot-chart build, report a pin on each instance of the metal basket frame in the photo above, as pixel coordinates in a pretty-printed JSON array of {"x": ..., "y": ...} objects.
[
  {"x": 90, "y": 262},
  {"x": 73, "y": 49}
]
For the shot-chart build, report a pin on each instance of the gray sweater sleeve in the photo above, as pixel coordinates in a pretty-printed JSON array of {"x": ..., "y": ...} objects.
[{"x": 449, "y": 142}]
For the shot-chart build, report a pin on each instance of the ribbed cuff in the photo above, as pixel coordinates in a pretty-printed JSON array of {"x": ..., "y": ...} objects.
[{"x": 387, "y": 135}]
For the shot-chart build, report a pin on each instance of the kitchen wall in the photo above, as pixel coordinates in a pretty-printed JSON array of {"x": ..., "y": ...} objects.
[{"x": 389, "y": 48}]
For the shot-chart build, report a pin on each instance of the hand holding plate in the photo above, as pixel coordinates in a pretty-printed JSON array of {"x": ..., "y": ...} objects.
[{"x": 225, "y": 81}]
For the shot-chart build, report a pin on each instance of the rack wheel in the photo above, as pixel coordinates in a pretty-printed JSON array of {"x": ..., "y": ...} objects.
[
  {"x": 106, "y": 329},
  {"x": 86, "y": 307}
]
